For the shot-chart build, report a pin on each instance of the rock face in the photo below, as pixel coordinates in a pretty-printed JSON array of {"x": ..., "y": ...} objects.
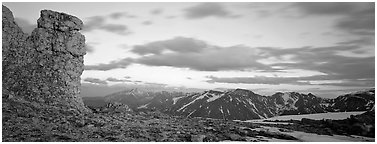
[
  {"x": 46, "y": 66},
  {"x": 357, "y": 101},
  {"x": 293, "y": 103},
  {"x": 13, "y": 50}
]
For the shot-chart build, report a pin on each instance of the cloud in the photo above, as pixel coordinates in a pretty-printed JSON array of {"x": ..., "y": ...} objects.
[
  {"x": 338, "y": 69},
  {"x": 190, "y": 53},
  {"x": 232, "y": 58},
  {"x": 115, "y": 28},
  {"x": 118, "y": 15},
  {"x": 112, "y": 65},
  {"x": 326, "y": 8},
  {"x": 177, "y": 44},
  {"x": 111, "y": 79},
  {"x": 156, "y": 11},
  {"x": 197, "y": 55},
  {"x": 256, "y": 80},
  {"x": 25, "y": 25},
  {"x": 170, "y": 17},
  {"x": 362, "y": 41},
  {"x": 328, "y": 61},
  {"x": 204, "y": 10},
  {"x": 147, "y": 23},
  {"x": 99, "y": 23},
  {"x": 309, "y": 80},
  {"x": 95, "y": 81},
  {"x": 359, "y": 23},
  {"x": 356, "y": 18}
]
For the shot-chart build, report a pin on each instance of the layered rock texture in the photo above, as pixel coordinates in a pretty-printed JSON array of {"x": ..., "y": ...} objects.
[{"x": 46, "y": 66}]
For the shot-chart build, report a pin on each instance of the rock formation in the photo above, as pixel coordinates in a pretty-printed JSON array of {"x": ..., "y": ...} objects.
[{"x": 46, "y": 66}]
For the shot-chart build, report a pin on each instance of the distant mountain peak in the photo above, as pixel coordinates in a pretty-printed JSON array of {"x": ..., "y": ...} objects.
[
  {"x": 243, "y": 104},
  {"x": 213, "y": 92},
  {"x": 135, "y": 91},
  {"x": 240, "y": 91}
]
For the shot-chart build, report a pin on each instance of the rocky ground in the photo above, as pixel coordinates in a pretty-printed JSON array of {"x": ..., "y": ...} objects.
[{"x": 30, "y": 121}]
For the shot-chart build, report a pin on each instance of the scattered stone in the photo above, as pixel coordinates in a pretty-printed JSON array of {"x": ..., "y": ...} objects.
[
  {"x": 235, "y": 137},
  {"x": 197, "y": 138}
]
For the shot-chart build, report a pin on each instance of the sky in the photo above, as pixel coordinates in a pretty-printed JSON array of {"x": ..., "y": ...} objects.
[{"x": 323, "y": 48}]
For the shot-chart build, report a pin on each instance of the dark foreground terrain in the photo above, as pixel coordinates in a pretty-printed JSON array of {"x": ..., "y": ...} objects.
[{"x": 30, "y": 121}]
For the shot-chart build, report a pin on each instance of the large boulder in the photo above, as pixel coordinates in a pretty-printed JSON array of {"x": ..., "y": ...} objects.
[{"x": 45, "y": 66}]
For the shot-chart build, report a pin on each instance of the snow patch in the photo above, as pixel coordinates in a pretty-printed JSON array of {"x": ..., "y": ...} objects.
[
  {"x": 198, "y": 98},
  {"x": 186, "y": 105},
  {"x": 176, "y": 99},
  {"x": 369, "y": 102},
  {"x": 191, "y": 113},
  {"x": 287, "y": 96},
  {"x": 143, "y": 106},
  {"x": 325, "y": 104},
  {"x": 214, "y": 97},
  {"x": 254, "y": 109}
]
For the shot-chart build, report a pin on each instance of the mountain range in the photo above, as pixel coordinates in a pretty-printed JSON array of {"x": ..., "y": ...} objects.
[{"x": 236, "y": 104}]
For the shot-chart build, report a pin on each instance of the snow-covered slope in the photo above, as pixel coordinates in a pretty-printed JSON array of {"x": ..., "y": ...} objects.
[
  {"x": 233, "y": 104},
  {"x": 293, "y": 103},
  {"x": 356, "y": 101},
  {"x": 241, "y": 104}
]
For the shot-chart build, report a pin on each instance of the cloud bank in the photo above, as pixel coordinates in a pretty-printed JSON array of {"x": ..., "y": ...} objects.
[{"x": 204, "y": 10}]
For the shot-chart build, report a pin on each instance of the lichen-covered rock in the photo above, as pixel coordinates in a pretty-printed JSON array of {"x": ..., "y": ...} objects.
[
  {"x": 13, "y": 50},
  {"x": 59, "y": 21},
  {"x": 46, "y": 66}
]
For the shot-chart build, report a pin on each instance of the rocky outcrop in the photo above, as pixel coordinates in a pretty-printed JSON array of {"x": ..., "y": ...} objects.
[
  {"x": 45, "y": 66},
  {"x": 14, "y": 52}
]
